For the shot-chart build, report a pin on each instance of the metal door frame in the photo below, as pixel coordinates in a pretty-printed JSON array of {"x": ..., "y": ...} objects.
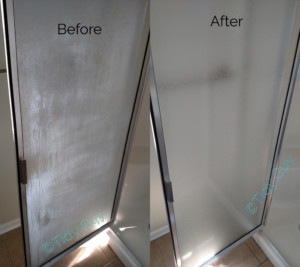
[
  {"x": 14, "y": 96},
  {"x": 163, "y": 162}
]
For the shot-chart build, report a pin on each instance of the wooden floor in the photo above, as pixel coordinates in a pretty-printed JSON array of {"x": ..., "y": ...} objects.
[
  {"x": 247, "y": 254},
  {"x": 12, "y": 255}
]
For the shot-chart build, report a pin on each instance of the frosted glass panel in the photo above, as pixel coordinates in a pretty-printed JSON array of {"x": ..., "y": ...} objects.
[
  {"x": 282, "y": 226},
  {"x": 77, "y": 93},
  {"x": 220, "y": 94},
  {"x": 132, "y": 222}
]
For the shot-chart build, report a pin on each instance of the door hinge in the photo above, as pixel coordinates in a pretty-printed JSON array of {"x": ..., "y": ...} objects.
[
  {"x": 169, "y": 191},
  {"x": 23, "y": 171}
]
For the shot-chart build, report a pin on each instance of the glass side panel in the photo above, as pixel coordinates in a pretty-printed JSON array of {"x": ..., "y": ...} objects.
[
  {"x": 132, "y": 222},
  {"x": 283, "y": 224}
]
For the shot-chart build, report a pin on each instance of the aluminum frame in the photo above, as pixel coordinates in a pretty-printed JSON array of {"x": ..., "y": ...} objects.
[
  {"x": 14, "y": 96},
  {"x": 163, "y": 163},
  {"x": 132, "y": 127},
  {"x": 285, "y": 114}
]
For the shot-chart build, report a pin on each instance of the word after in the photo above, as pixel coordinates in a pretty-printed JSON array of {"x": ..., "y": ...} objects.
[
  {"x": 224, "y": 21},
  {"x": 78, "y": 29}
]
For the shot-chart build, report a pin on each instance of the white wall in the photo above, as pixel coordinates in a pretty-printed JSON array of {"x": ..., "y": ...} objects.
[{"x": 9, "y": 203}]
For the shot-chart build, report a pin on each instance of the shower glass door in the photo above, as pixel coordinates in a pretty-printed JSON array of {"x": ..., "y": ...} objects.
[
  {"x": 76, "y": 77},
  {"x": 223, "y": 82}
]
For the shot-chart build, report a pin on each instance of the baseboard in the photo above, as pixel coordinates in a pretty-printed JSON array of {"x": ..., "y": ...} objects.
[
  {"x": 159, "y": 232},
  {"x": 6, "y": 227},
  {"x": 270, "y": 251},
  {"x": 123, "y": 253}
]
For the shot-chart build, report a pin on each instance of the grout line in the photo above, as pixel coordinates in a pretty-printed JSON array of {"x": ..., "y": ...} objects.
[
  {"x": 99, "y": 248},
  {"x": 9, "y": 254},
  {"x": 115, "y": 257},
  {"x": 254, "y": 253},
  {"x": 160, "y": 252},
  {"x": 110, "y": 261},
  {"x": 162, "y": 255},
  {"x": 266, "y": 261},
  {"x": 2, "y": 70}
]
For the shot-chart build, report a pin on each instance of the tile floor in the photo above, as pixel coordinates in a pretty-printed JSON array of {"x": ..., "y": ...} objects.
[
  {"x": 12, "y": 255},
  {"x": 247, "y": 254},
  {"x": 11, "y": 249}
]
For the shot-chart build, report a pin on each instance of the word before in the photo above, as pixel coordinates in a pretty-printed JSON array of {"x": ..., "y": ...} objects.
[
  {"x": 60, "y": 239},
  {"x": 63, "y": 29},
  {"x": 259, "y": 197},
  {"x": 225, "y": 21}
]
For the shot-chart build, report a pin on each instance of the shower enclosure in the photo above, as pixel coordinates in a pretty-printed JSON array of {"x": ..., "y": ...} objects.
[
  {"x": 283, "y": 224},
  {"x": 219, "y": 104},
  {"x": 75, "y": 98}
]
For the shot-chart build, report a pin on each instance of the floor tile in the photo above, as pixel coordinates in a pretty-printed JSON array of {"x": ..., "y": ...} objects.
[
  {"x": 166, "y": 248},
  {"x": 17, "y": 254},
  {"x": 241, "y": 256},
  {"x": 117, "y": 263},
  {"x": 58, "y": 264},
  {"x": 267, "y": 263},
  {"x": 108, "y": 265},
  {"x": 85, "y": 256},
  {"x": 5, "y": 260},
  {"x": 156, "y": 259},
  {"x": 247, "y": 254},
  {"x": 108, "y": 252},
  {"x": 164, "y": 241},
  {"x": 260, "y": 255},
  {"x": 12, "y": 254},
  {"x": 14, "y": 242}
]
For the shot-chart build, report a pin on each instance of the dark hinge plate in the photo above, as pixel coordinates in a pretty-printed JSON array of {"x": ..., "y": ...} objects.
[
  {"x": 23, "y": 171},
  {"x": 169, "y": 191}
]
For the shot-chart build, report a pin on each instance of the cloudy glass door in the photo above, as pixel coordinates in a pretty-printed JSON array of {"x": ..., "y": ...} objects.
[
  {"x": 224, "y": 75},
  {"x": 76, "y": 72}
]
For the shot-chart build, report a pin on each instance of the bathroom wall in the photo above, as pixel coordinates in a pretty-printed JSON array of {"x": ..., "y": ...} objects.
[{"x": 9, "y": 203}]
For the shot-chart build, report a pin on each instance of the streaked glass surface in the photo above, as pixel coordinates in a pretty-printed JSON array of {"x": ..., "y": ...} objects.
[
  {"x": 77, "y": 94},
  {"x": 221, "y": 94}
]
